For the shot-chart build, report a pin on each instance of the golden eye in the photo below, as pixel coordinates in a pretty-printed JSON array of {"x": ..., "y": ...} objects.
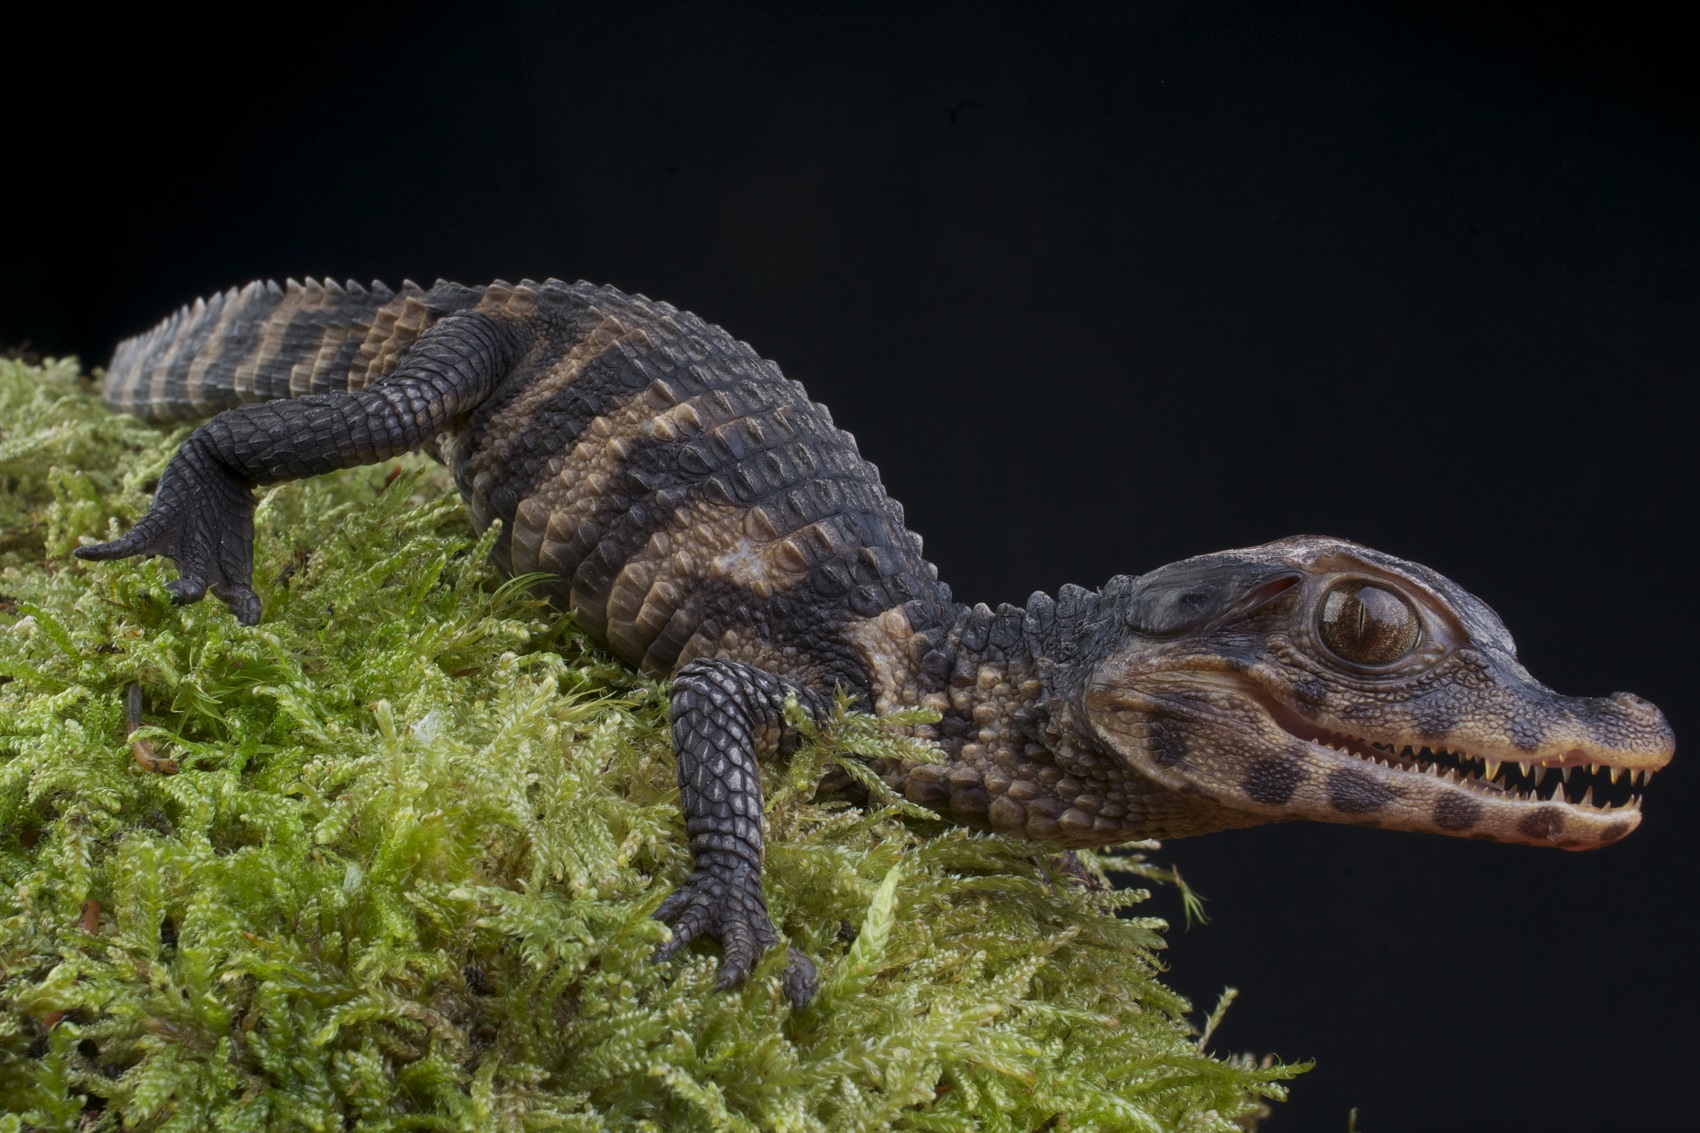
[{"x": 1368, "y": 624}]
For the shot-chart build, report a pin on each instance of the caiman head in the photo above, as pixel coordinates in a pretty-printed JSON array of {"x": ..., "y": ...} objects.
[{"x": 1315, "y": 678}]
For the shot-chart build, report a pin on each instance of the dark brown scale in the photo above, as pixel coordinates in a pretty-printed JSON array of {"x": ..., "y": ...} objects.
[
  {"x": 686, "y": 540},
  {"x": 707, "y": 520},
  {"x": 699, "y": 513}
]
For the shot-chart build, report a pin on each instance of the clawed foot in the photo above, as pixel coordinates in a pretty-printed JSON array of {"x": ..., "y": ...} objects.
[
  {"x": 202, "y": 519},
  {"x": 733, "y": 912}
]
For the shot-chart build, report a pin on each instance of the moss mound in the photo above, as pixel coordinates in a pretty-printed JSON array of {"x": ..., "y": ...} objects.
[{"x": 387, "y": 861}]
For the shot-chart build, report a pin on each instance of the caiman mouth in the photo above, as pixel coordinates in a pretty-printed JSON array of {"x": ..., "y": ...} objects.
[{"x": 1577, "y": 778}]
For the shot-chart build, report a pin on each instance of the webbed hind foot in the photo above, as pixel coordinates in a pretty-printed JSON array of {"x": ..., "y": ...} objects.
[
  {"x": 202, "y": 519},
  {"x": 732, "y": 911}
]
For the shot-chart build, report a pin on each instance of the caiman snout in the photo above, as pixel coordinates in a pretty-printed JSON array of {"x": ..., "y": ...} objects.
[
  {"x": 1639, "y": 707},
  {"x": 1633, "y": 729}
]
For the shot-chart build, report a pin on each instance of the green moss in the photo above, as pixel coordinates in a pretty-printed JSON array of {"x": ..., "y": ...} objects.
[{"x": 403, "y": 874}]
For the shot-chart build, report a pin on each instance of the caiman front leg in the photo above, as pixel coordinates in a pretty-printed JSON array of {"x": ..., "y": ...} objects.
[
  {"x": 202, "y": 516},
  {"x": 723, "y": 713}
]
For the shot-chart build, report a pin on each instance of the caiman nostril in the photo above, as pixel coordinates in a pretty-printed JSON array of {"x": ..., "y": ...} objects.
[{"x": 1640, "y": 706}]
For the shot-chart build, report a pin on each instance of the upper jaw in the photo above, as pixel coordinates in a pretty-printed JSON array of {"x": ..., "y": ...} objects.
[
  {"x": 1246, "y": 750},
  {"x": 1581, "y": 778}
]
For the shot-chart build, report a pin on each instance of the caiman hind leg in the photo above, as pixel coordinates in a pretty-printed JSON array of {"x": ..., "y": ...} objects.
[
  {"x": 722, "y": 713},
  {"x": 202, "y": 516}
]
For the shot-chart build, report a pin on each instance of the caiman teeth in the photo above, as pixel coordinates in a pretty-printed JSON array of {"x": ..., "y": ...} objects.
[
  {"x": 1557, "y": 778},
  {"x": 1599, "y": 786}
]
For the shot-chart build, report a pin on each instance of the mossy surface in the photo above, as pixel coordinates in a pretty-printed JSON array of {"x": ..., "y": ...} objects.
[{"x": 400, "y": 874}]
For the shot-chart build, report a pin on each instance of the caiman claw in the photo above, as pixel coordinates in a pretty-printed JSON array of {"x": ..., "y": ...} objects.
[
  {"x": 202, "y": 519},
  {"x": 733, "y": 912}
]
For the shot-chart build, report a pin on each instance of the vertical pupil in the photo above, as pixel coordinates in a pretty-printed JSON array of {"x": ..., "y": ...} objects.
[{"x": 1368, "y": 624}]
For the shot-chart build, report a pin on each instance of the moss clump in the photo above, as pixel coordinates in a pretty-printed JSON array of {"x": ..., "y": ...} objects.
[{"x": 402, "y": 874}]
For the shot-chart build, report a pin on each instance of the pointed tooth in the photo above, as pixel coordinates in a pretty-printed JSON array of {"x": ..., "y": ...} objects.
[
  {"x": 1565, "y": 771},
  {"x": 1616, "y": 774},
  {"x": 1492, "y": 768},
  {"x": 1593, "y": 769},
  {"x": 1589, "y": 797}
]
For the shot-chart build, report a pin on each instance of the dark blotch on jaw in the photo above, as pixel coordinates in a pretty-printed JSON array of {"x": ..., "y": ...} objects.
[
  {"x": 1353, "y": 792},
  {"x": 1169, "y": 741},
  {"x": 1273, "y": 781},
  {"x": 1615, "y": 831},
  {"x": 1546, "y": 823},
  {"x": 1456, "y": 811},
  {"x": 1528, "y": 731},
  {"x": 1433, "y": 718}
]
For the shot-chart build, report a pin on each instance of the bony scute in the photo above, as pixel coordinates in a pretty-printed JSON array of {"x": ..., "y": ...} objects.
[{"x": 706, "y": 521}]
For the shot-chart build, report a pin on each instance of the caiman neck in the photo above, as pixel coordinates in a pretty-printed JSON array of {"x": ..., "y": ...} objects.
[{"x": 1017, "y": 764}]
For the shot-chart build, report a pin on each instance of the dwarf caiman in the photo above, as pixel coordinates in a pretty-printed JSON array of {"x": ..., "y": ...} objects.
[{"x": 706, "y": 520}]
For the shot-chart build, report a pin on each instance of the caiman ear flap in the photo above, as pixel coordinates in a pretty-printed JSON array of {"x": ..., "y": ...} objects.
[{"x": 1185, "y": 596}]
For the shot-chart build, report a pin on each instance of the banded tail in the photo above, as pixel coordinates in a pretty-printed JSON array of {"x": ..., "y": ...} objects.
[{"x": 263, "y": 342}]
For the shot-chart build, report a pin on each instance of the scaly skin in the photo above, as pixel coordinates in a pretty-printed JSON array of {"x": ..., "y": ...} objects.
[{"x": 705, "y": 519}]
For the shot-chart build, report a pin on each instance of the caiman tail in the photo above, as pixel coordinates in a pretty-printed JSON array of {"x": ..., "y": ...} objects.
[{"x": 263, "y": 342}]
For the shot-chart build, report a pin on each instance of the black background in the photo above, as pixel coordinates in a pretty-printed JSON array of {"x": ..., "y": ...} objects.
[{"x": 1097, "y": 288}]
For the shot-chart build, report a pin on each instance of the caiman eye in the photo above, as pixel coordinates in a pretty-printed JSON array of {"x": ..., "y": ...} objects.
[{"x": 1368, "y": 624}]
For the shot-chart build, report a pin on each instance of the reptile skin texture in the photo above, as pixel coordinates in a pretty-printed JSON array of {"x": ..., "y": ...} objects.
[
  {"x": 723, "y": 714},
  {"x": 706, "y": 521}
]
